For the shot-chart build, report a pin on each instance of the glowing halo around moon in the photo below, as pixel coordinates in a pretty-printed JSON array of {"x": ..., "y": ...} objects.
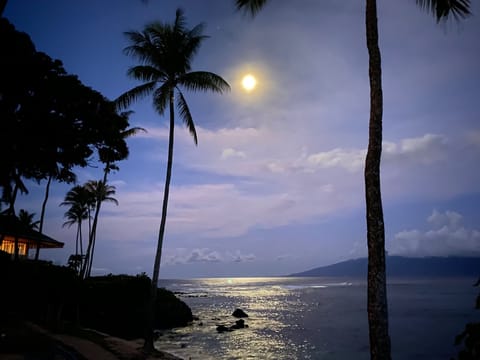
[{"x": 249, "y": 82}]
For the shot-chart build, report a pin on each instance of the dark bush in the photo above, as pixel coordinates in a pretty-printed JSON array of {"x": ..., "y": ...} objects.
[{"x": 115, "y": 304}]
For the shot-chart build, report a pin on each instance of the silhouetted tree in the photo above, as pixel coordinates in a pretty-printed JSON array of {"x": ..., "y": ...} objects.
[
  {"x": 99, "y": 193},
  {"x": 165, "y": 52},
  {"x": 81, "y": 204},
  {"x": 377, "y": 292},
  {"x": 51, "y": 122}
]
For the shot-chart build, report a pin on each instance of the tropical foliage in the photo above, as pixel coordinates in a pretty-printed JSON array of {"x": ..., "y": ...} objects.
[
  {"x": 83, "y": 201},
  {"x": 165, "y": 53},
  {"x": 50, "y": 122}
]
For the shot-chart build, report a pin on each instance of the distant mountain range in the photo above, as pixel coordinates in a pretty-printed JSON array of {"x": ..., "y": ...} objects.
[{"x": 398, "y": 266}]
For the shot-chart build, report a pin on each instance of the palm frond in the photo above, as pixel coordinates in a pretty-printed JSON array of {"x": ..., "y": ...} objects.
[
  {"x": 443, "y": 9},
  {"x": 203, "y": 81},
  {"x": 180, "y": 21},
  {"x": 133, "y": 131},
  {"x": 186, "y": 115},
  {"x": 161, "y": 98},
  {"x": 69, "y": 223},
  {"x": 193, "y": 40},
  {"x": 132, "y": 95},
  {"x": 250, "y": 6},
  {"x": 145, "y": 73},
  {"x": 142, "y": 46}
]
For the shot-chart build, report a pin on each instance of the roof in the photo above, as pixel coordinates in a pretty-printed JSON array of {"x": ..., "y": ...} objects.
[{"x": 10, "y": 226}]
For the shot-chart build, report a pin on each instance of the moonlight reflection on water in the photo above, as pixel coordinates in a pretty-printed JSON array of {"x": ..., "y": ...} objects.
[{"x": 316, "y": 318}]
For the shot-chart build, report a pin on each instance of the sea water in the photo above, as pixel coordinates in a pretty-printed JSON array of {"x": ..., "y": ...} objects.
[{"x": 318, "y": 318}]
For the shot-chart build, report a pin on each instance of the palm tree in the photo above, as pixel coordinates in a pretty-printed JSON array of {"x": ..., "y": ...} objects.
[
  {"x": 81, "y": 205},
  {"x": 99, "y": 192},
  {"x": 75, "y": 215},
  {"x": 25, "y": 220},
  {"x": 165, "y": 52},
  {"x": 377, "y": 291},
  {"x": 110, "y": 154}
]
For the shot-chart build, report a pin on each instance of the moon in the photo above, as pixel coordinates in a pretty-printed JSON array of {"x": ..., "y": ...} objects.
[{"x": 249, "y": 82}]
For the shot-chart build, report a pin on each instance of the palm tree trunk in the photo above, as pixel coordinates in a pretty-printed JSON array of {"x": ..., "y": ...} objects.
[
  {"x": 91, "y": 243},
  {"x": 86, "y": 263},
  {"x": 80, "y": 237},
  {"x": 42, "y": 214},
  {"x": 377, "y": 289},
  {"x": 95, "y": 221},
  {"x": 13, "y": 198},
  {"x": 77, "y": 240},
  {"x": 92, "y": 250},
  {"x": 16, "y": 249},
  {"x": 148, "y": 346}
]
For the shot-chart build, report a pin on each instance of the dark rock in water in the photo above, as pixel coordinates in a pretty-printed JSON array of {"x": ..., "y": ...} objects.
[
  {"x": 239, "y": 324},
  {"x": 223, "y": 328},
  {"x": 171, "y": 312},
  {"x": 239, "y": 313}
]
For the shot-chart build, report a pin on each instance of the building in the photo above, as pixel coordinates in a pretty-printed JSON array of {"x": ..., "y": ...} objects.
[{"x": 14, "y": 235}]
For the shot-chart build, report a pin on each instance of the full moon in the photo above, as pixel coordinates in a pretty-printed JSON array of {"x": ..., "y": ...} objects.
[{"x": 249, "y": 82}]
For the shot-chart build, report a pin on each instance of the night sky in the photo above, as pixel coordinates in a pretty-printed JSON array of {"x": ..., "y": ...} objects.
[{"x": 275, "y": 184}]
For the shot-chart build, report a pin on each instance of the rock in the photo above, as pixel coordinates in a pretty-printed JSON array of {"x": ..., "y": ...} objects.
[
  {"x": 223, "y": 328},
  {"x": 239, "y": 324},
  {"x": 239, "y": 313}
]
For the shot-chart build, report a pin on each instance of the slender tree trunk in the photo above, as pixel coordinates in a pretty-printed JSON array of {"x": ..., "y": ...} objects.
[
  {"x": 87, "y": 252},
  {"x": 92, "y": 250},
  {"x": 80, "y": 237},
  {"x": 77, "y": 240},
  {"x": 13, "y": 198},
  {"x": 148, "y": 346},
  {"x": 15, "y": 249},
  {"x": 86, "y": 263},
  {"x": 42, "y": 214},
  {"x": 95, "y": 220},
  {"x": 377, "y": 289}
]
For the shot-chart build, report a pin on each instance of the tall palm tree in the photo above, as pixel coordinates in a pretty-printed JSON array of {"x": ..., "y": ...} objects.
[
  {"x": 165, "y": 52},
  {"x": 81, "y": 205},
  {"x": 99, "y": 192},
  {"x": 377, "y": 292},
  {"x": 75, "y": 215}
]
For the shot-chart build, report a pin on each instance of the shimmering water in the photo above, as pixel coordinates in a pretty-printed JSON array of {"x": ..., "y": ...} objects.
[{"x": 318, "y": 318}]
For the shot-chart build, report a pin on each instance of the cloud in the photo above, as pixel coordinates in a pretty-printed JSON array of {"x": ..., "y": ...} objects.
[
  {"x": 281, "y": 182},
  {"x": 238, "y": 257},
  {"x": 227, "y": 153},
  {"x": 205, "y": 255},
  {"x": 447, "y": 236},
  {"x": 349, "y": 159},
  {"x": 426, "y": 149}
]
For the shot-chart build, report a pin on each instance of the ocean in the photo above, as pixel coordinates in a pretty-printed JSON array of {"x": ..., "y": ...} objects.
[{"x": 318, "y": 318}]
